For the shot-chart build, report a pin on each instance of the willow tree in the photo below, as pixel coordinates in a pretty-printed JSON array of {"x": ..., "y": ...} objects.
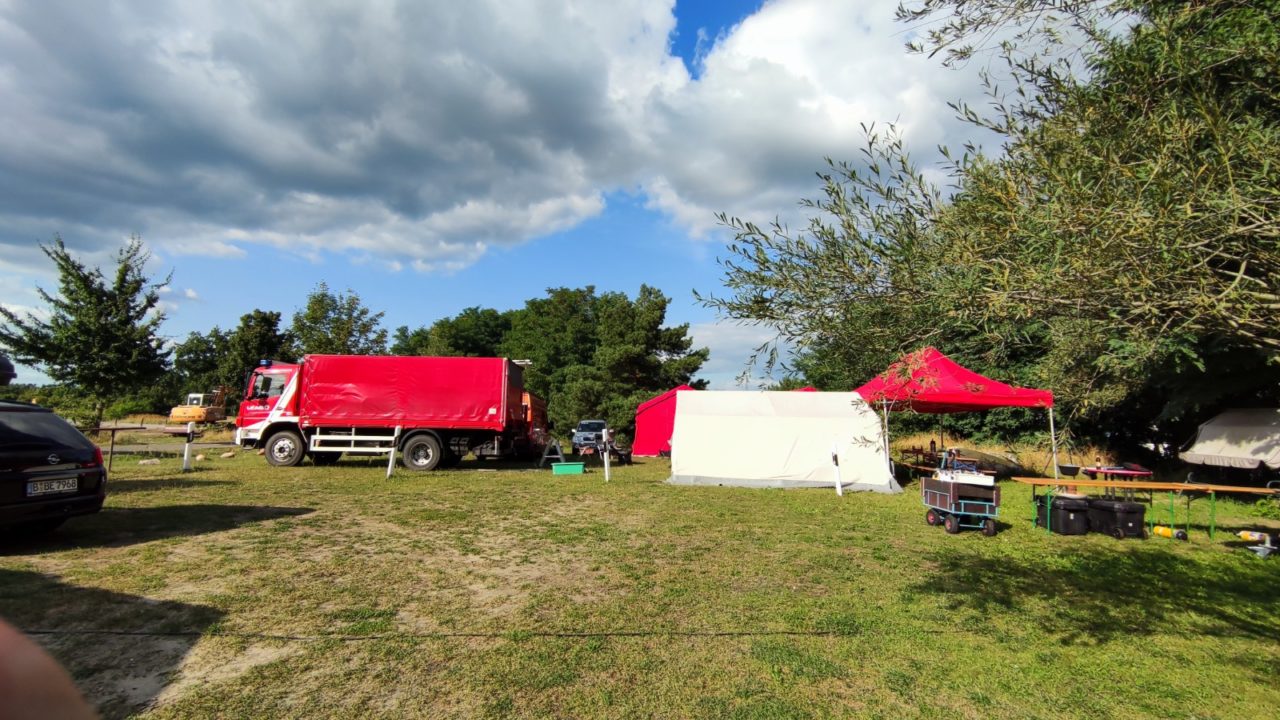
[
  {"x": 1120, "y": 245},
  {"x": 1133, "y": 214}
]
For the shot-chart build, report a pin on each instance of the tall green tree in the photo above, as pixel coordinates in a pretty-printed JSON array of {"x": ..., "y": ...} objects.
[
  {"x": 555, "y": 333},
  {"x": 474, "y": 332},
  {"x": 600, "y": 355},
  {"x": 101, "y": 336},
  {"x": 257, "y": 337},
  {"x": 196, "y": 361},
  {"x": 412, "y": 342},
  {"x": 337, "y": 324}
]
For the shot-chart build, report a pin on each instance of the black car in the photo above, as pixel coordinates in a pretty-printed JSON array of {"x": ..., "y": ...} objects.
[{"x": 49, "y": 471}]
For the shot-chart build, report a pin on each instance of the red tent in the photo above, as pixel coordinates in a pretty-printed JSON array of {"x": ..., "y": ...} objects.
[
  {"x": 655, "y": 419},
  {"x": 929, "y": 382}
]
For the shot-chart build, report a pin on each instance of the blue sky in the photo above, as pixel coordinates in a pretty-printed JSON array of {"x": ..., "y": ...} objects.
[{"x": 434, "y": 156}]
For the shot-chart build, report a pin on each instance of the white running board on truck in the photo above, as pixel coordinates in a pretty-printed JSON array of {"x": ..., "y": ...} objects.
[{"x": 349, "y": 442}]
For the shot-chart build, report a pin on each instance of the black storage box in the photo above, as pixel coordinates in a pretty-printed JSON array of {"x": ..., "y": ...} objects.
[
  {"x": 1070, "y": 515},
  {"x": 1118, "y": 518}
]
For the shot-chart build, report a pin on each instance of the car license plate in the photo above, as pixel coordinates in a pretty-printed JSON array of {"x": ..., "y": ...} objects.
[{"x": 49, "y": 487}]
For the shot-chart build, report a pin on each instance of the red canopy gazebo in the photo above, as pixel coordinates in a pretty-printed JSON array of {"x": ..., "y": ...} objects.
[{"x": 928, "y": 381}]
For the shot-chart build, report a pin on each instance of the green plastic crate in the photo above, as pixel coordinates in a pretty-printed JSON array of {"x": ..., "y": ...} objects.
[{"x": 567, "y": 468}]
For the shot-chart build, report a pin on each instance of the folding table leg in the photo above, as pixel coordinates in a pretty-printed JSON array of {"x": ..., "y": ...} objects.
[
  {"x": 1213, "y": 513},
  {"x": 1187, "y": 529}
]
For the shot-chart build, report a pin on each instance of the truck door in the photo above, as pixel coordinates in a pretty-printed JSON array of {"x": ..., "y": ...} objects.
[{"x": 262, "y": 395}]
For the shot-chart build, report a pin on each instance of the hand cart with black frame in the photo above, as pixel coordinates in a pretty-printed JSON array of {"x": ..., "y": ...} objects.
[{"x": 954, "y": 503}]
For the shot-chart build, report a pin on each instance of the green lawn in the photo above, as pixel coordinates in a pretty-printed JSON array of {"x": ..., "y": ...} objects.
[{"x": 241, "y": 590}]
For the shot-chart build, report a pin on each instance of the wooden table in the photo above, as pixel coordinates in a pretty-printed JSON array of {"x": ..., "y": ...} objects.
[{"x": 111, "y": 453}]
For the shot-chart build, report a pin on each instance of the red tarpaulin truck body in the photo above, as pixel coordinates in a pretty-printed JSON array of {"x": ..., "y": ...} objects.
[{"x": 330, "y": 404}]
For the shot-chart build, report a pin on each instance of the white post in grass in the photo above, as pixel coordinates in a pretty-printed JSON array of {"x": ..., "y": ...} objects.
[
  {"x": 606, "y": 436},
  {"x": 186, "y": 448},
  {"x": 391, "y": 461},
  {"x": 835, "y": 461}
]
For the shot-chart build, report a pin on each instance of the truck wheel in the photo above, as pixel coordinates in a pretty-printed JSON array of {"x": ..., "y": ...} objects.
[
  {"x": 284, "y": 449},
  {"x": 325, "y": 458},
  {"x": 951, "y": 524},
  {"x": 421, "y": 452}
]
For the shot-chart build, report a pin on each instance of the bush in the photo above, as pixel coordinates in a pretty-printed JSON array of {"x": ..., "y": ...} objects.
[
  {"x": 130, "y": 406},
  {"x": 1268, "y": 508}
]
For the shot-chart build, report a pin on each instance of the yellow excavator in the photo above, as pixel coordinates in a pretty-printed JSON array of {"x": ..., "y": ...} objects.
[{"x": 202, "y": 408}]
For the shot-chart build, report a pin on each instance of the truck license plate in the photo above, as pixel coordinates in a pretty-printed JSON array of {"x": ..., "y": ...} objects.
[{"x": 49, "y": 487}]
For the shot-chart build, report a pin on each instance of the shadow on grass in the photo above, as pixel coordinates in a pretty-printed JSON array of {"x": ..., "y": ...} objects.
[
  {"x": 117, "y": 527},
  {"x": 105, "y": 639},
  {"x": 1099, "y": 596}
]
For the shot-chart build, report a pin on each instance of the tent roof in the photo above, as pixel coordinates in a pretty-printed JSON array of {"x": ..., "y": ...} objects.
[
  {"x": 659, "y": 398},
  {"x": 929, "y": 382},
  {"x": 1239, "y": 439}
]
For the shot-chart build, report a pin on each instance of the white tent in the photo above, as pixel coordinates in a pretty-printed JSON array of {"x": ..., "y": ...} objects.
[
  {"x": 779, "y": 439},
  {"x": 1238, "y": 439}
]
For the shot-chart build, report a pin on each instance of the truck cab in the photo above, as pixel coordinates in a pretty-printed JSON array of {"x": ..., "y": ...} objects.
[{"x": 265, "y": 399}]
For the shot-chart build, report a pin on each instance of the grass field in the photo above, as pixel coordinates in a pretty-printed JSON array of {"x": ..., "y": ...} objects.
[{"x": 240, "y": 590}]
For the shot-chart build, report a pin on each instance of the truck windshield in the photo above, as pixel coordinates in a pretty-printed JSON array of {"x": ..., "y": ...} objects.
[
  {"x": 268, "y": 385},
  {"x": 590, "y": 426}
]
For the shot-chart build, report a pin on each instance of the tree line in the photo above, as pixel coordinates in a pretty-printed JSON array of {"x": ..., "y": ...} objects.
[
  {"x": 1119, "y": 246},
  {"x": 589, "y": 354}
]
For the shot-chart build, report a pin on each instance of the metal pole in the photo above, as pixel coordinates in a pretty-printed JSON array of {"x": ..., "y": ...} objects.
[
  {"x": 1053, "y": 438},
  {"x": 884, "y": 413},
  {"x": 112, "y": 457}
]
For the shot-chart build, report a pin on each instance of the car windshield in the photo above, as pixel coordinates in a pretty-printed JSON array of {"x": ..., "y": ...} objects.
[
  {"x": 590, "y": 426},
  {"x": 27, "y": 429}
]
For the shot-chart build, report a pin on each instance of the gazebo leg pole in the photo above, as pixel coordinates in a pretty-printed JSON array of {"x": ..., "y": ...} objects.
[
  {"x": 884, "y": 414},
  {"x": 1053, "y": 439}
]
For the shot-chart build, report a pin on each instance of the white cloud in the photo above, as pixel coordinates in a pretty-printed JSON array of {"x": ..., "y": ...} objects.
[
  {"x": 424, "y": 133},
  {"x": 732, "y": 346},
  {"x": 40, "y": 313},
  {"x": 190, "y": 294}
]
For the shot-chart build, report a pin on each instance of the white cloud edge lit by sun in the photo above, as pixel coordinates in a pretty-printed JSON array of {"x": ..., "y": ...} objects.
[{"x": 775, "y": 93}]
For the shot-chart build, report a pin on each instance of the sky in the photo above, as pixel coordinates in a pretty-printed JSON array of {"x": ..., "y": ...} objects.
[{"x": 432, "y": 156}]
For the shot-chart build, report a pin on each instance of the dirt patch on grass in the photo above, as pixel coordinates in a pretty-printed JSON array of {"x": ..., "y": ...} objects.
[{"x": 213, "y": 662}]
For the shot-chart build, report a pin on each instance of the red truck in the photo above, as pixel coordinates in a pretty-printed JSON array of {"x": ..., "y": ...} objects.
[{"x": 432, "y": 410}]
